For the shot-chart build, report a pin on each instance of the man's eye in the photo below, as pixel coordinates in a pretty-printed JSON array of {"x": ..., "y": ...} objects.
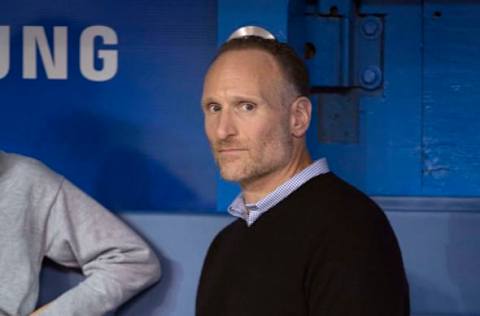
[
  {"x": 248, "y": 107},
  {"x": 214, "y": 107}
]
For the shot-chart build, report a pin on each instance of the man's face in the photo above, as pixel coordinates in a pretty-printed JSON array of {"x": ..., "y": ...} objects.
[{"x": 246, "y": 118}]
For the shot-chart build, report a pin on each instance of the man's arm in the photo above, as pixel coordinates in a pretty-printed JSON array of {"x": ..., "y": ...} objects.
[{"x": 117, "y": 263}]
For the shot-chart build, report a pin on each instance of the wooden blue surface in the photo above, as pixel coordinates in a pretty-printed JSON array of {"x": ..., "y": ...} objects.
[
  {"x": 418, "y": 135},
  {"x": 451, "y": 138}
]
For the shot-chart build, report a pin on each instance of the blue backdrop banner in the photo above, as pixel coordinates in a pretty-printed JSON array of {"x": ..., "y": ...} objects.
[{"x": 108, "y": 94}]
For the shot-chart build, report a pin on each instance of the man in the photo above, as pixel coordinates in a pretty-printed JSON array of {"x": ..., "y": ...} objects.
[
  {"x": 44, "y": 215},
  {"x": 305, "y": 243}
]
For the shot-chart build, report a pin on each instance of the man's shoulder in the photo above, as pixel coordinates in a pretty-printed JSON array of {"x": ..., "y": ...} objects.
[
  {"x": 345, "y": 213},
  {"x": 330, "y": 188},
  {"x": 329, "y": 199},
  {"x": 22, "y": 168}
]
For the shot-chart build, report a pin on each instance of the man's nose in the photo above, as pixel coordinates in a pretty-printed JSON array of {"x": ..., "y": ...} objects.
[{"x": 226, "y": 125}]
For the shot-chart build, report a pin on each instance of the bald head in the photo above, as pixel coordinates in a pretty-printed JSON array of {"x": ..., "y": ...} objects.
[
  {"x": 250, "y": 72},
  {"x": 292, "y": 67}
]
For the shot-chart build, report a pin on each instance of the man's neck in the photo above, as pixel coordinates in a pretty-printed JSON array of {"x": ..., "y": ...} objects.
[{"x": 257, "y": 189}]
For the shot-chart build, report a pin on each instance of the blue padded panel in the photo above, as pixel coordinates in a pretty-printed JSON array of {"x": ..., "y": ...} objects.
[{"x": 440, "y": 242}]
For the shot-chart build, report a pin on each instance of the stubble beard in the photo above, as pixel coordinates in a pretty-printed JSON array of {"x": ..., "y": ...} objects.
[{"x": 260, "y": 160}]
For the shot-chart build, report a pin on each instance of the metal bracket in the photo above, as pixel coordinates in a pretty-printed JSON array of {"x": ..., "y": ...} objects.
[{"x": 344, "y": 53}]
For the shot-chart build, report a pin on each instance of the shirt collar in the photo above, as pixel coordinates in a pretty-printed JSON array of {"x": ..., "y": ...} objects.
[{"x": 251, "y": 212}]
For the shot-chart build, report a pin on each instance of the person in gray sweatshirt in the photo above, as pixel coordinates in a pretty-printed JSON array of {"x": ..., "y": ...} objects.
[{"x": 44, "y": 215}]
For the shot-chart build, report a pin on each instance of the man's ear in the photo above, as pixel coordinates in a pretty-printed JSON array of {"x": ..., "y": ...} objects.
[{"x": 300, "y": 116}]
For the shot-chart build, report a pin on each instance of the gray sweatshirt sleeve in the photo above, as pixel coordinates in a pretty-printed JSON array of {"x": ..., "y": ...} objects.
[{"x": 117, "y": 263}]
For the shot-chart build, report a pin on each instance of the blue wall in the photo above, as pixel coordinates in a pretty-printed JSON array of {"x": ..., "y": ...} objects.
[{"x": 135, "y": 141}]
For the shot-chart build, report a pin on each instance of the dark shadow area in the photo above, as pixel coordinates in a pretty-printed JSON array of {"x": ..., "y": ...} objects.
[
  {"x": 129, "y": 180},
  {"x": 55, "y": 280}
]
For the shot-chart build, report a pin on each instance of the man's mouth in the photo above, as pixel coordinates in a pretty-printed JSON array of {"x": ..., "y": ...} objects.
[{"x": 230, "y": 150}]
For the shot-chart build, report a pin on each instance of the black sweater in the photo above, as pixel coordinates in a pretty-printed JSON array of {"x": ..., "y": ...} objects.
[{"x": 327, "y": 249}]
